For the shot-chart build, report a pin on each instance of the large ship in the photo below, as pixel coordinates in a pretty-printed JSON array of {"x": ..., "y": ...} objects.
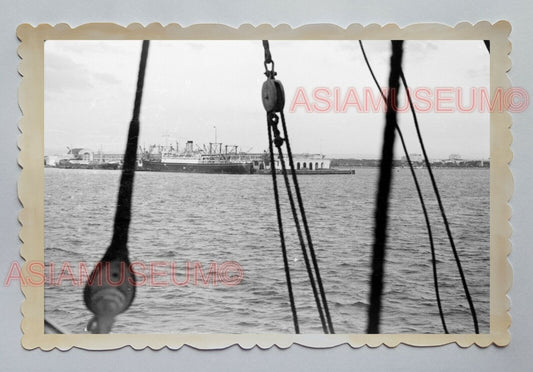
[
  {"x": 85, "y": 164},
  {"x": 215, "y": 158}
]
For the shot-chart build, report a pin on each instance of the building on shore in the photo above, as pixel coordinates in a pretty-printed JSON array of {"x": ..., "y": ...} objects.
[
  {"x": 75, "y": 154},
  {"x": 83, "y": 158},
  {"x": 308, "y": 162},
  {"x": 303, "y": 164}
]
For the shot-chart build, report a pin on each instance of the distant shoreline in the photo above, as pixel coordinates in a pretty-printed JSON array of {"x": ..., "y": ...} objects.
[{"x": 374, "y": 163}]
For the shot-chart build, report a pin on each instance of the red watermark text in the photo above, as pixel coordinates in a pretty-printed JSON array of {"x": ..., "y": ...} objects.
[
  {"x": 437, "y": 100},
  {"x": 154, "y": 274}
]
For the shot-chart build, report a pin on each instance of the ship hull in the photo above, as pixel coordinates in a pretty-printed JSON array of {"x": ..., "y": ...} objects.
[
  {"x": 68, "y": 165},
  {"x": 217, "y": 168}
]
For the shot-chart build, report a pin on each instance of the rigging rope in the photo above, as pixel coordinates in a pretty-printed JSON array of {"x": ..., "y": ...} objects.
[
  {"x": 273, "y": 120},
  {"x": 441, "y": 207},
  {"x": 105, "y": 297},
  {"x": 281, "y": 234},
  {"x": 487, "y": 45},
  {"x": 385, "y": 178},
  {"x": 273, "y": 100},
  {"x": 306, "y": 225},
  {"x": 420, "y": 197},
  {"x": 123, "y": 213}
]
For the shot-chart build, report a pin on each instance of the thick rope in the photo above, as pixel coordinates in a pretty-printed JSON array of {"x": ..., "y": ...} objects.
[
  {"x": 268, "y": 56},
  {"x": 281, "y": 234},
  {"x": 487, "y": 45},
  {"x": 118, "y": 295},
  {"x": 382, "y": 202},
  {"x": 119, "y": 242},
  {"x": 441, "y": 207},
  {"x": 420, "y": 198},
  {"x": 300, "y": 235},
  {"x": 306, "y": 226}
]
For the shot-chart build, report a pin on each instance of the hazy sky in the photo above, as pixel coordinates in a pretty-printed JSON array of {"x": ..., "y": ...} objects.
[{"x": 192, "y": 86}]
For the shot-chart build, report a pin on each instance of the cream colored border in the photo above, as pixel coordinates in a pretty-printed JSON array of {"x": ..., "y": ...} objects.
[{"x": 31, "y": 181}]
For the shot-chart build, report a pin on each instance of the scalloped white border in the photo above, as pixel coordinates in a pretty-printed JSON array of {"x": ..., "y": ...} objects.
[{"x": 31, "y": 180}]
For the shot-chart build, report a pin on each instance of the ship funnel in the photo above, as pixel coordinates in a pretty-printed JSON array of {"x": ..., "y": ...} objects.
[{"x": 188, "y": 147}]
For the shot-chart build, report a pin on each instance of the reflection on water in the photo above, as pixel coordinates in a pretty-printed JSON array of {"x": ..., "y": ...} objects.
[{"x": 183, "y": 219}]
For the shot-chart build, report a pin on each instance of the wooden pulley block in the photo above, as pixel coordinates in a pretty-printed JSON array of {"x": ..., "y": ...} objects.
[{"x": 273, "y": 95}]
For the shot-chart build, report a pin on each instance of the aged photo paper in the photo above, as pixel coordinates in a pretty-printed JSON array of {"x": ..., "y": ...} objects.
[{"x": 265, "y": 185}]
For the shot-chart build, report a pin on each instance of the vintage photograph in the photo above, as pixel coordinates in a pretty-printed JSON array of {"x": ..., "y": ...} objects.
[
  {"x": 264, "y": 186},
  {"x": 267, "y": 187}
]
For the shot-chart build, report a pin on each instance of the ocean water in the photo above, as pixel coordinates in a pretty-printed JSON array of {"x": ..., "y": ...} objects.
[{"x": 201, "y": 220}]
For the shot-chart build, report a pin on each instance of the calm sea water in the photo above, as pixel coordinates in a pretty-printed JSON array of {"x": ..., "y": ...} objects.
[{"x": 180, "y": 218}]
